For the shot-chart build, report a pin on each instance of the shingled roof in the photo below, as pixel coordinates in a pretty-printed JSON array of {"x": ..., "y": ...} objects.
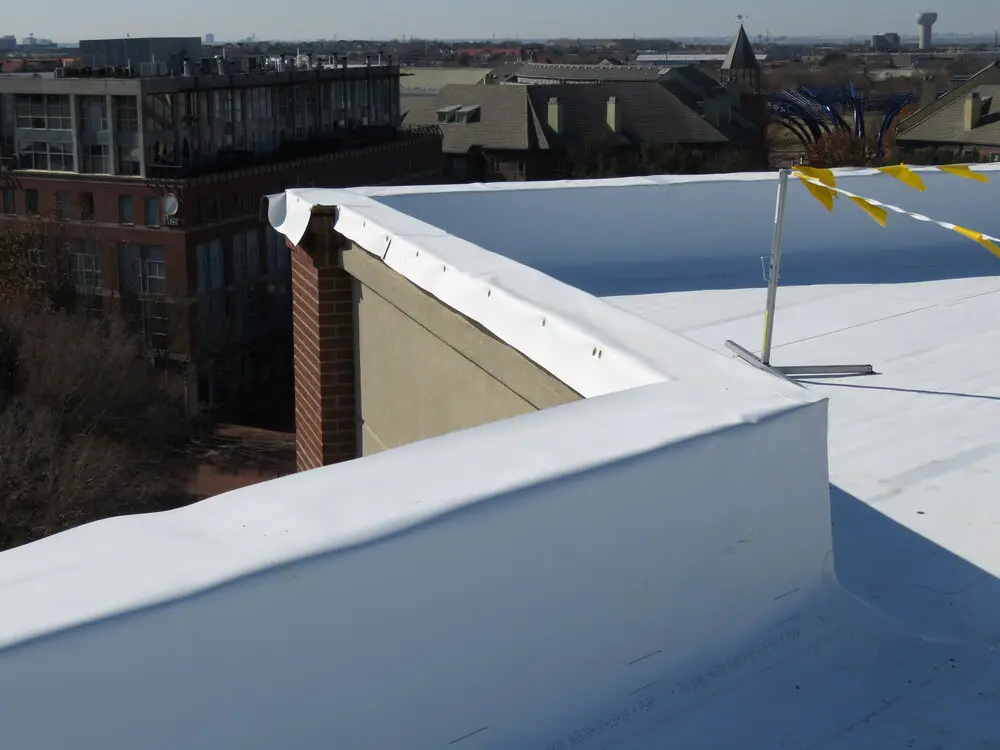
[
  {"x": 514, "y": 117},
  {"x": 650, "y": 113},
  {"x": 506, "y": 120},
  {"x": 942, "y": 121}
]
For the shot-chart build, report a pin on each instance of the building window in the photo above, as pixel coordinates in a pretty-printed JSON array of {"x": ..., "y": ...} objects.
[
  {"x": 35, "y": 256},
  {"x": 252, "y": 317},
  {"x": 9, "y": 201},
  {"x": 126, "y": 211},
  {"x": 155, "y": 325},
  {"x": 253, "y": 254},
  {"x": 237, "y": 307},
  {"x": 144, "y": 269},
  {"x": 57, "y": 112},
  {"x": 31, "y": 201},
  {"x": 43, "y": 112},
  {"x": 87, "y": 206},
  {"x": 211, "y": 321},
  {"x": 210, "y": 266},
  {"x": 279, "y": 258},
  {"x": 56, "y": 157},
  {"x": 93, "y": 113},
  {"x": 513, "y": 169},
  {"x": 62, "y": 205},
  {"x": 159, "y": 112},
  {"x": 129, "y": 161},
  {"x": 152, "y": 212},
  {"x": 85, "y": 264},
  {"x": 95, "y": 159},
  {"x": 155, "y": 269},
  {"x": 126, "y": 114},
  {"x": 239, "y": 258}
]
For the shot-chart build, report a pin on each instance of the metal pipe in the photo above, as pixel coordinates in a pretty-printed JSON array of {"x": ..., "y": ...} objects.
[{"x": 772, "y": 282}]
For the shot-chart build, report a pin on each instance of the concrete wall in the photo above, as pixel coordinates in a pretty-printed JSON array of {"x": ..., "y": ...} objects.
[{"x": 424, "y": 370}]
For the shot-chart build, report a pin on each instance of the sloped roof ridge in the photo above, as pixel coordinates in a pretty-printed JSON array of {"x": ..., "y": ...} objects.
[{"x": 978, "y": 79}]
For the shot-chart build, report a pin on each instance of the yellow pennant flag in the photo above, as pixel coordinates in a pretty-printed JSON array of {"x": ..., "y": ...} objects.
[
  {"x": 877, "y": 213},
  {"x": 962, "y": 170},
  {"x": 978, "y": 237},
  {"x": 823, "y": 175},
  {"x": 820, "y": 193},
  {"x": 905, "y": 175}
]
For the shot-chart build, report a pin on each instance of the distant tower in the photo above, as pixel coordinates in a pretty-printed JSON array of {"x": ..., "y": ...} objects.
[
  {"x": 209, "y": 38},
  {"x": 740, "y": 68},
  {"x": 926, "y": 21},
  {"x": 741, "y": 75}
]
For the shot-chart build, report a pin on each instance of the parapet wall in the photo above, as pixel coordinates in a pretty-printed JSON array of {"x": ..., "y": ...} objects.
[
  {"x": 712, "y": 226},
  {"x": 527, "y": 583}
]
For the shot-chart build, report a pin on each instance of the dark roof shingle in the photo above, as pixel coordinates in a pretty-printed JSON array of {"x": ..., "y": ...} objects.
[
  {"x": 504, "y": 118},
  {"x": 650, "y": 113},
  {"x": 515, "y": 117}
]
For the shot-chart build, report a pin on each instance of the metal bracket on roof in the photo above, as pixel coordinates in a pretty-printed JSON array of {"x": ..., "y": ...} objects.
[
  {"x": 790, "y": 372},
  {"x": 771, "y": 267},
  {"x": 765, "y": 267}
]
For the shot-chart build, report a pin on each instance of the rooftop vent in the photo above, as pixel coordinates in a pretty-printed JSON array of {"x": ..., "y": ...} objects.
[
  {"x": 555, "y": 114},
  {"x": 448, "y": 113},
  {"x": 468, "y": 113}
]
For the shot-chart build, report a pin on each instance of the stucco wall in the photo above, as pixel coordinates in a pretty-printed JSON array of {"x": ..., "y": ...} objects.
[{"x": 425, "y": 370}]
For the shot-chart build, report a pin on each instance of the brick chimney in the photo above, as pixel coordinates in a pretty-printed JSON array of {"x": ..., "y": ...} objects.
[
  {"x": 614, "y": 115},
  {"x": 555, "y": 114},
  {"x": 928, "y": 92},
  {"x": 323, "y": 319},
  {"x": 972, "y": 110}
]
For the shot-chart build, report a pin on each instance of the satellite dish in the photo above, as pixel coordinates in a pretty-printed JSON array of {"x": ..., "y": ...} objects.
[{"x": 170, "y": 204}]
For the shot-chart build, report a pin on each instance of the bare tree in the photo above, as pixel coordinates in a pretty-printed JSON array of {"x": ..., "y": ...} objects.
[
  {"x": 34, "y": 265},
  {"x": 88, "y": 427}
]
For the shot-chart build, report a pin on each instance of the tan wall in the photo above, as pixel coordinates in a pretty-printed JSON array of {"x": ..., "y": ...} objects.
[{"x": 425, "y": 370}]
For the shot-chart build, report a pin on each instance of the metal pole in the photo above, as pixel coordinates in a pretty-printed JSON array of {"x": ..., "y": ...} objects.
[{"x": 772, "y": 282}]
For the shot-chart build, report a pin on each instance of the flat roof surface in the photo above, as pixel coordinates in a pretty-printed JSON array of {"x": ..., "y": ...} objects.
[
  {"x": 913, "y": 450},
  {"x": 917, "y": 442},
  {"x": 890, "y": 642}
]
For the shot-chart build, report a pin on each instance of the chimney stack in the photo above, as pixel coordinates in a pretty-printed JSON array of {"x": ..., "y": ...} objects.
[
  {"x": 555, "y": 115},
  {"x": 614, "y": 115},
  {"x": 972, "y": 111}
]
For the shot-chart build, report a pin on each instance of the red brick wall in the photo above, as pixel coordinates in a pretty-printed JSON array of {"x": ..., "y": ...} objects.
[
  {"x": 324, "y": 340},
  {"x": 323, "y": 305}
]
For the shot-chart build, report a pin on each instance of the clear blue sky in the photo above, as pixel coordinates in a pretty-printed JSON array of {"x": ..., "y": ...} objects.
[{"x": 68, "y": 20}]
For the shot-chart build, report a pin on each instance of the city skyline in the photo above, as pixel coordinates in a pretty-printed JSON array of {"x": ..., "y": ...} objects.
[{"x": 395, "y": 19}]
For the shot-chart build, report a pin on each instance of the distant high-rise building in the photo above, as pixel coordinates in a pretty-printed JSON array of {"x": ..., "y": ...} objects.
[
  {"x": 887, "y": 42},
  {"x": 157, "y": 172},
  {"x": 8, "y": 43},
  {"x": 134, "y": 51},
  {"x": 210, "y": 38}
]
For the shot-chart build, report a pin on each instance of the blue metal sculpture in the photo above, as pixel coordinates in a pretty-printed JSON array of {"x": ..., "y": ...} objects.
[
  {"x": 890, "y": 115},
  {"x": 810, "y": 113}
]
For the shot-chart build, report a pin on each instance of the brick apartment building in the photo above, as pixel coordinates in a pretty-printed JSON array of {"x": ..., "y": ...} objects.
[{"x": 154, "y": 175}]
